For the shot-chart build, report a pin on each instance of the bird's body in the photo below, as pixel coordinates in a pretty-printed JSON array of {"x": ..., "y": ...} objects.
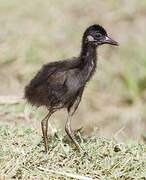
[{"x": 60, "y": 84}]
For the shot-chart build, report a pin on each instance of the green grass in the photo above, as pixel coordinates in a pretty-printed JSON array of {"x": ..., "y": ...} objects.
[{"x": 22, "y": 157}]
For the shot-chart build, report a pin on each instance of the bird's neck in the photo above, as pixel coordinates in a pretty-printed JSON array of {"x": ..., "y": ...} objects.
[
  {"x": 88, "y": 58},
  {"x": 88, "y": 54}
]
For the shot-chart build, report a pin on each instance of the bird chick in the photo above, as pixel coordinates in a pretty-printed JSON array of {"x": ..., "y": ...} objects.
[{"x": 61, "y": 84}]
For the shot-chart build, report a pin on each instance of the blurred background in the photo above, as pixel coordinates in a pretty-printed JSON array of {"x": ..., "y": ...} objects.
[{"x": 36, "y": 32}]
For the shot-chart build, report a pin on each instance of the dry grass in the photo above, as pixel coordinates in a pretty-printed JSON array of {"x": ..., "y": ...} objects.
[
  {"x": 21, "y": 157},
  {"x": 39, "y": 32}
]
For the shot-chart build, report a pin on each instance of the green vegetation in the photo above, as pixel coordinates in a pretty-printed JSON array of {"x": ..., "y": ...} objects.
[{"x": 21, "y": 157}]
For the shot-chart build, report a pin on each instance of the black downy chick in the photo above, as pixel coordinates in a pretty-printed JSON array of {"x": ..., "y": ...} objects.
[{"x": 61, "y": 84}]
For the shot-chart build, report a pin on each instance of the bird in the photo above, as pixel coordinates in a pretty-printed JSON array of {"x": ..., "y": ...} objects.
[{"x": 60, "y": 84}]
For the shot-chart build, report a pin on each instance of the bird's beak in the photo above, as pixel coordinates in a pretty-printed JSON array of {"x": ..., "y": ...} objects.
[{"x": 109, "y": 40}]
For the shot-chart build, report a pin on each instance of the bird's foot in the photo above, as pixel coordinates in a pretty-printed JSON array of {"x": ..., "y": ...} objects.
[{"x": 86, "y": 155}]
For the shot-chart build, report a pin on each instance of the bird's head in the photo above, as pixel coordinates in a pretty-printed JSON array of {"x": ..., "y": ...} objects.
[{"x": 97, "y": 35}]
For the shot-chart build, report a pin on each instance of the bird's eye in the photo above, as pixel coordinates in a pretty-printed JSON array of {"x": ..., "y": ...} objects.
[{"x": 98, "y": 35}]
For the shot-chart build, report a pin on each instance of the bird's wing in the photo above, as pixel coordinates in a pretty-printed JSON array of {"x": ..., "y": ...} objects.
[
  {"x": 57, "y": 78},
  {"x": 56, "y": 86}
]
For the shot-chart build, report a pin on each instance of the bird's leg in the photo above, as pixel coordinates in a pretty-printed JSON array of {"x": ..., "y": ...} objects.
[
  {"x": 70, "y": 133},
  {"x": 68, "y": 129},
  {"x": 44, "y": 125}
]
